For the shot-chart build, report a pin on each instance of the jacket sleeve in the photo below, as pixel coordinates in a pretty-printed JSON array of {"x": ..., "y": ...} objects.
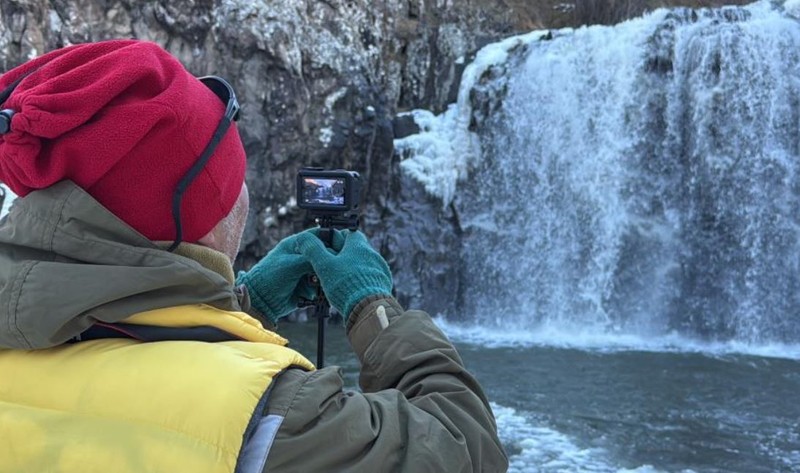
[{"x": 420, "y": 410}]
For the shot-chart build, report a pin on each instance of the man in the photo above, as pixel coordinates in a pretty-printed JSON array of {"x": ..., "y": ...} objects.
[{"x": 125, "y": 342}]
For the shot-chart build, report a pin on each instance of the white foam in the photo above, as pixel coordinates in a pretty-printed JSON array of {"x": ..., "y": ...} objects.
[
  {"x": 535, "y": 447},
  {"x": 596, "y": 339}
]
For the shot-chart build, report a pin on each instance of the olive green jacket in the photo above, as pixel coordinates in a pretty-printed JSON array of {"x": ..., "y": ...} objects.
[{"x": 66, "y": 263}]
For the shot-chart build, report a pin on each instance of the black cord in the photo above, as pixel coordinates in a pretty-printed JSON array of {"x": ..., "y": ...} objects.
[{"x": 190, "y": 176}]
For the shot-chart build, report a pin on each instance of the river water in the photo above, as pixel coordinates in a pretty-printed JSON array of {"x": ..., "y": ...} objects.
[{"x": 568, "y": 409}]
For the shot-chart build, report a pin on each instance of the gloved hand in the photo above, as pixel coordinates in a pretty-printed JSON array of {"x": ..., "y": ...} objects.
[
  {"x": 349, "y": 275},
  {"x": 278, "y": 282}
]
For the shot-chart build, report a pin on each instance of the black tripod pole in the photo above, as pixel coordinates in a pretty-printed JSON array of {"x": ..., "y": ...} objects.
[
  {"x": 322, "y": 308},
  {"x": 321, "y": 311}
]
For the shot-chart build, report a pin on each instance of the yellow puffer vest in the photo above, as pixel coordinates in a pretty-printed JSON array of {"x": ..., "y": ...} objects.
[{"x": 118, "y": 405}]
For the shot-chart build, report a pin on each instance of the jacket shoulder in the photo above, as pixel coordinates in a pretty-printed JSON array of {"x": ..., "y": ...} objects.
[{"x": 296, "y": 388}]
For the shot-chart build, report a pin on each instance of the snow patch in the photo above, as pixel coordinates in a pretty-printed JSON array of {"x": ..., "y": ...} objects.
[
  {"x": 331, "y": 99},
  {"x": 325, "y": 136}
]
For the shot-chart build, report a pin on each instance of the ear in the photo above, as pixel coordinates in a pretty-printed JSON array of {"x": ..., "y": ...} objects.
[{"x": 209, "y": 239}]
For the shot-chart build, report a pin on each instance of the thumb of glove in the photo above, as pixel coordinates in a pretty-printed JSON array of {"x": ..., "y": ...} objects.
[{"x": 312, "y": 248}]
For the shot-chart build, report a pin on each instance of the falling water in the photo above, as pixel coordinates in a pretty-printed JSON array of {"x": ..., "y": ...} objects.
[{"x": 637, "y": 179}]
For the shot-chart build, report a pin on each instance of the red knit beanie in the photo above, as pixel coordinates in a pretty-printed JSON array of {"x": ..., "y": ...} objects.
[{"x": 124, "y": 120}]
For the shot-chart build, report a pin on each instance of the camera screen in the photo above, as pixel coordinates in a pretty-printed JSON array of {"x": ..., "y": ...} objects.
[{"x": 322, "y": 191}]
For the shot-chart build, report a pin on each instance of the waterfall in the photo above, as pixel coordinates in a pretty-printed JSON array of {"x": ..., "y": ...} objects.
[{"x": 637, "y": 179}]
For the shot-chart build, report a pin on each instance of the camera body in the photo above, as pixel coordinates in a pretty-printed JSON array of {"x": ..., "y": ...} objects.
[{"x": 334, "y": 194}]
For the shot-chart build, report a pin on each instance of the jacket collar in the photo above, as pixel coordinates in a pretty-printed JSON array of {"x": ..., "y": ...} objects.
[
  {"x": 210, "y": 259},
  {"x": 66, "y": 262}
]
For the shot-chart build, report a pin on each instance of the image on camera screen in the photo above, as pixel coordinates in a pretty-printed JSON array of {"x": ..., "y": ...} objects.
[{"x": 322, "y": 191}]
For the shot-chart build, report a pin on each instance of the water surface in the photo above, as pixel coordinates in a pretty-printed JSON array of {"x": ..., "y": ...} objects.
[{"x": 562, "y": 409}]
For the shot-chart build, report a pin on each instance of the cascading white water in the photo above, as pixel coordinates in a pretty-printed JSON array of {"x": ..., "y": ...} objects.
[{"x": 641, "y": 179}]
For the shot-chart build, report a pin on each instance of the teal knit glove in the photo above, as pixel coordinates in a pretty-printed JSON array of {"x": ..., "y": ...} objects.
[
  {"x": 347, "y": 277},
  {"x": 278, "y": 282}
]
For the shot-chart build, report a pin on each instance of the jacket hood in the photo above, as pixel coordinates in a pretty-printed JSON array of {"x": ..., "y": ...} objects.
[{"x": 66, "y": 262}]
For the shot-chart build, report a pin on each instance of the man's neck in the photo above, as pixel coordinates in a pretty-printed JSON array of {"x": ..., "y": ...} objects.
[{"x": 210, "y": 259}]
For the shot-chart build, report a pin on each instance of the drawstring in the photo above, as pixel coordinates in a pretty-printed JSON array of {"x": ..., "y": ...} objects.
[{"x": 6, "y": 114}]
